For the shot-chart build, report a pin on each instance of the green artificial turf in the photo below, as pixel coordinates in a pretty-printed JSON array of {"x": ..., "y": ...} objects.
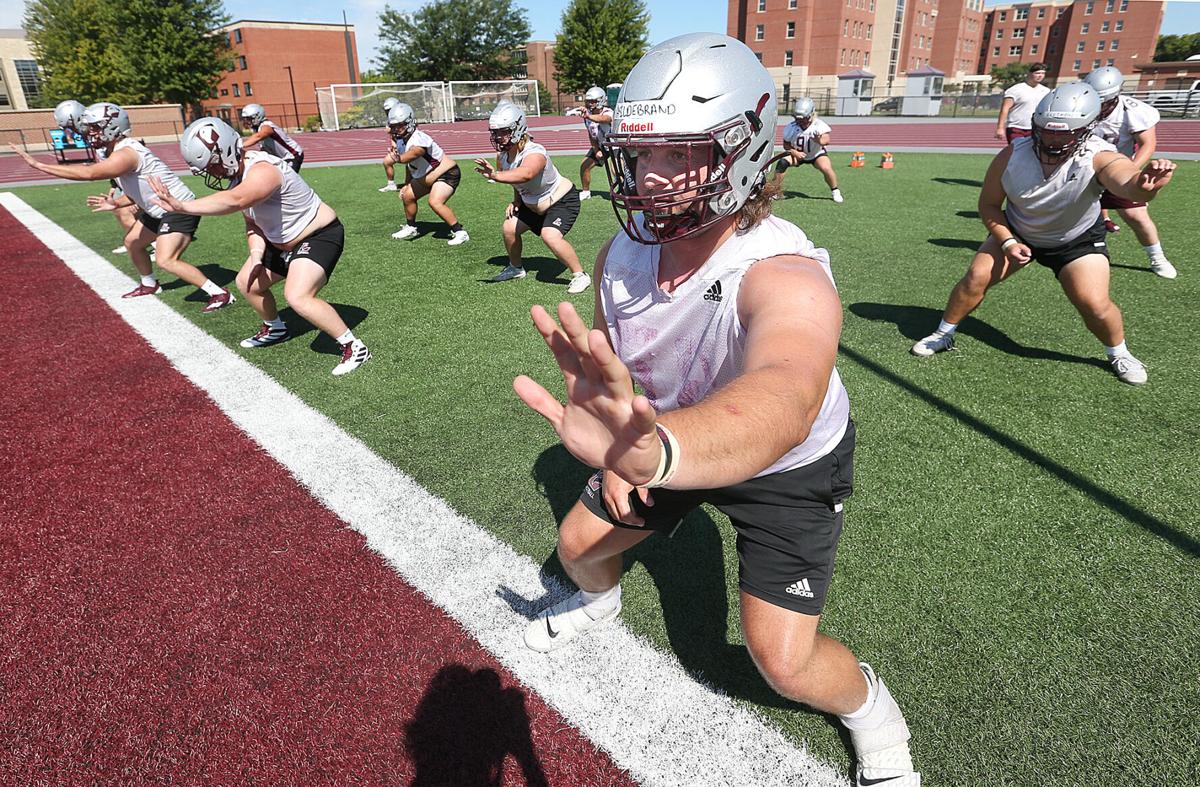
[{"x": 1019, "y": 561}]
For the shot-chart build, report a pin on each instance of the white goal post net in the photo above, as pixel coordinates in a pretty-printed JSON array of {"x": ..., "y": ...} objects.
[
  {"x": 475, "y": 100},
  {"x": 361, "y": 105}
]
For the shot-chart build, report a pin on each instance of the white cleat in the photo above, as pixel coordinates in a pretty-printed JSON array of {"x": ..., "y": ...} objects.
[
  {"x": 579, "y": 282},
  {"x": 563, "y": 622},
  {"x": 837, "y": 196},
  {"x": 882, "y": 751},
  {"x": 1129, "y": 369},
  {"x": 510, "y": 272},
  {"x": 459, "y": 238},
  {"x": 407, "y": 232},
  {"x": 585, "y": 195},
  {"x": 389, "y": 187},
  {"x": 120, "y": 250},
  {"x": 1163, "y": 268},
  {"x": 933, "y": 343},
  {"x": 354, "y": 355}
]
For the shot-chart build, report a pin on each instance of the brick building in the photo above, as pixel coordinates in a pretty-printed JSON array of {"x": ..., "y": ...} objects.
[
  {"x": 536, "y": 61},
  {"x": 271, "y": 59}
]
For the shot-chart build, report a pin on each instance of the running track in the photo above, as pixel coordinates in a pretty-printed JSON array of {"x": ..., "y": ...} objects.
[
  {"x": 174, "y": 606},
  {"x": 561, "y": 134}
]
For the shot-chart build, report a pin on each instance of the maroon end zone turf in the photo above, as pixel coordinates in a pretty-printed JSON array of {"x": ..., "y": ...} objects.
[{"x": 175, "y": 608}]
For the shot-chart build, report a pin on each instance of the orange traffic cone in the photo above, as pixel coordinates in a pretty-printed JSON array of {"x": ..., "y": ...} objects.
[
  {"x": 887, "y": 162},
  {"x": 859, "y": 159}
]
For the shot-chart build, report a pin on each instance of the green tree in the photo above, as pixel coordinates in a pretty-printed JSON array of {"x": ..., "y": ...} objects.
[
  {"x": 1005, "y": 77},
  {"x": 128, "y": 51},
  {"x": 451, "y": 40},
  {"x": 600, "y": 42},
  {"x": 1174, "y": 48}
]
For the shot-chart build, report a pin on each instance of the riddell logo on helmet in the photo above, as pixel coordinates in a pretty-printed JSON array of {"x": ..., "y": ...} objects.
[
  {"x": 633, "y": 126},
  {"x": 643, "y": 110}
]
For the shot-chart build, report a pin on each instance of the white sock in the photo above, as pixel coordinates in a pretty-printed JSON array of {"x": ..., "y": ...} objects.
[
  {"x": 346, "y": 338},
  {"x": 600, "y": 602},
  {"x": 837, "y": 191},
  {"x": 276, "y": 324},
  {"x": 861, "y": 719},
  {"x": 211, "y": 288},
  {"x": 149, "y": 280},
  {"x": 577, "y": 274},
  {"x": 391, "y": 183},
  {"x": 947, "y": 327},
  {"x": 1153, "y": 250},
  {"x": 1120, "y": 349}
]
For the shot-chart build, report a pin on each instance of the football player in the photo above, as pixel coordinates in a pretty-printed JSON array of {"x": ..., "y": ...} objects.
[
  {"x": 544, "y": 202},
  {"x": 1016, "y": 109},
  {"x": 106, "y": 129},
  {"x": 804, "y": 140},
  {"x": 1129, "y": 125},
  {"x": 738, "y": 401},
  {"x": 1052, "y": 182},
  {"x": 597, "y": 120},
  {"x": 391, "y": 157},
  {"x": 427, "y": 170},
  {"x": 273, "y": 138},
  {"x": 293, "y": 236}
]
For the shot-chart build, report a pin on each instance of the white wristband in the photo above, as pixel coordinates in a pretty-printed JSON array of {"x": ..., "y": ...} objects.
[
  {"x": 1004, "y": 246},
  {"x": 668, "y": 461}
]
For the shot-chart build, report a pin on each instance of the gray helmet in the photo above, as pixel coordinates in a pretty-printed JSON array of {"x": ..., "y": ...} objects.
[
  {"x": 507, "y": 125},
  {"x": 402, "y": 121},
  {"x": 254, "y": 114},
  {"x": 68, "y": 114},
  {"x": 595, "y": 97},
  {"x": 210, "y": 141},
  {"x": 103, "y": 122},
  {"x": 388, "y": 103},
  {"x": 706, "y": 93},
  {"x": 1106, "y": 81},
  {"x": 803, "y": 108},
  {"x": 1074, "y": 108}
]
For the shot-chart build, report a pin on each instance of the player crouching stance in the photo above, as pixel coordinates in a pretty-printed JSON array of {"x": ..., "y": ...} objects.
[
  {"x": 106, "y": 128},
  {"x": 743, "y": 406},
  {"x": 427, "y": 170},
  {"x": 391, "y": 157},
  {"x": 273, "y": 138},
  {"x": 544, "y": 202},
  {"x": 597, "y": 121},
  {"x": 292, "y": 234},
  {"x": 804, "y": 140},
  {"x": 1052, "y": 181}
]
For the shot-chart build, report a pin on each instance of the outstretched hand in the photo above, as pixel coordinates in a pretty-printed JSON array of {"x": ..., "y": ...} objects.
[
  {"x": 101, "y": 202},
  {"x": 1156, "y": 174},
  {"x": 603, "y": 424},
  {"x": 30, "y": 160},
  {"x": 163, "y": 197},
  {"x": 485, "y": 168}
]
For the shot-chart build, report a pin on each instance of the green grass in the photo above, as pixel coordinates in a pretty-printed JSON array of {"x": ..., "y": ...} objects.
[{"x": 1020, "y": 554}]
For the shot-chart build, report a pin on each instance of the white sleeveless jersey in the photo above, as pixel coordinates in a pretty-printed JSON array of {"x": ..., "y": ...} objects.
[
  {"x": 429, "y": 160},
  {"x": 1050, "y": 211},
  {"x": 807, "y": 140},
  {"x": 1025, "y": 100},
  {"x": 136, "y": 184},
  {"x": 1128, "y": 118},
  {"x": 598, "y": 132},
  {"x": 279, "y": 144},
  {"x": 540, "y": 187},
  {"x": 682, "y": 346},
  {"x": 283, "y": 215}
]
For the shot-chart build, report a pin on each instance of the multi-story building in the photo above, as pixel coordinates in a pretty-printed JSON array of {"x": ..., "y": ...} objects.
[
  {"x": 280, "y": 65},
  {"x": 1072, "y": 37},
  {"x": 20, "y": 79},
  {"x": 536, "y": 61},
  {"x": 957, "y": 37}
]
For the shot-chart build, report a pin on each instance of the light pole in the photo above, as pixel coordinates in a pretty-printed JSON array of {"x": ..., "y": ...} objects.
[{"x": 295, "y": 109}]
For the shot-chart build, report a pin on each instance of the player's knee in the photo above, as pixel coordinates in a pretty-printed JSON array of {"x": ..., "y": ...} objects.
[{"x": 783, "y": 663}]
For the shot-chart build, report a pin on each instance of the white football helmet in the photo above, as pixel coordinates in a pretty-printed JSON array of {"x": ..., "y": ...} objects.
[
  {"x": 709, "y": 96},
  {"x": 103, "y": 123},
  {"x": 803, "y": 109},
  {"x": 1070, "y": 112},
  {"x": 402, "y": 121},
  {"x": 507, "y": 125},
  {"x": 1107, "y": 83},
  {"x": 388, "y": 103},
  {"x": 212, "y": 148},
  {"x": 68, "y": 114},
  {"x": 253, "y": 115},
  {"x": 595, "y": 98}
]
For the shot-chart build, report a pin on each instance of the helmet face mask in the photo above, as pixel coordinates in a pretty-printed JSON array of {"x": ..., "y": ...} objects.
[
  {"x": 506, "y": 126},
  {"x": 594, "y": 99},
  {"x": 1063, "y": 121},
  {"x": 1107, "y": 107},
  {"x": 103, "y": 123},
  {"x": 212, "y": 150},
  {"x": 253, "y": 116}
]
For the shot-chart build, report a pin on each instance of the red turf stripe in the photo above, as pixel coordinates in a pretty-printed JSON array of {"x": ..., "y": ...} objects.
[{"x": 174, "y": 607}]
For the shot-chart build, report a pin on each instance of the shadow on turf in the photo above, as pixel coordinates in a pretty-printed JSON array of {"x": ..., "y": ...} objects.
[
  {"x": 959, "y": 182},
  {"x": 222, "y": 277},
  {"x": 915, "y": 322},
  {"x": 464, "y": 728},
  {"x": 802, "y": 195},
  {"x": 688, "y": 569},
  {"x": 322, "y": 343},
  {"x": 544, "y": 269},
  {"x": 967, "y": 214},
  {"x": 955, "y": 243}
]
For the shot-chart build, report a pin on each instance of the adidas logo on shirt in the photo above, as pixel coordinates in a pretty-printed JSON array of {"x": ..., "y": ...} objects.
[
  {"x": 800, "y": 588},
  {"x": 714, "y": 292}
]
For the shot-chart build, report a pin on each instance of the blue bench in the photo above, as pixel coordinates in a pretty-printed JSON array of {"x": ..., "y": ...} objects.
[{"x": 62, "y": 145}]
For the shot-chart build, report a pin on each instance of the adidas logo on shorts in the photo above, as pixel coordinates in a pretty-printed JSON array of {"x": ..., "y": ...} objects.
[
  {"x": 714, "y": 292},
  {"x": 800, "y": 588}
]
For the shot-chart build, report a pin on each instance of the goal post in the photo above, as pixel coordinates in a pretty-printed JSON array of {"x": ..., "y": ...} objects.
[
  {"x": 347, "y": 106},
  {"x": 475, "y": 100}
]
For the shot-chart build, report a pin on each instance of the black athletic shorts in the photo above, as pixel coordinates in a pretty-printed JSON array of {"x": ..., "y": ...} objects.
[
  {"x": 170, "y": 222},
  {"x": 594, "y": 155},
  {"x": 297, "y": 162},
  {"x": 451, "y": 177},
  {"x": 787, "y": 524},
  {"x": 784, "y": 163},
  {"x": 1091, "y": 241},
  {"x": 561, "y": 215},
  {"x": 323, "y": 247}
]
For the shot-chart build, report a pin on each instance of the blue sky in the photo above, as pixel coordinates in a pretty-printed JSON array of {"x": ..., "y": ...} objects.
[{"x": 667, "y": 17}]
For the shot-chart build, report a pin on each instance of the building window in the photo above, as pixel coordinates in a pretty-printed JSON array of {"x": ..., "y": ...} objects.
[
  {"x": 1120, "y": 25},
  {"x": 867, "y": 59},
  {"x": 759, "y": 56},
  {"x": 791, "y": 5},
  {"x": 1096, "y": 63},
  {"x": 1037, "y": 32},
  {"x": 236, "y": 90},
  {"x": 762, "y": 5},
  {"x": 1050, "y": 50},
  {"x": 787, "y": 58},
  {"x": 1108, "y": 7},
  {"x": 842, "y": 59},
  {"x": 873, "y": 6},
  {"x": 30, "y": 80},
  {"x": 996, "y": 52},
  {"x": 1104, "y": 27},
  {"x": 1021, "y": 13},
  {"x": 1033, "y": 49},
  {"x": 1078, "y": 63},
  {"x": 1100, "y": 45},
  {"x": 1003, "y": 16},
  {"x": 237, "y": 36},
  {"x": 791, "y": 29},
  {"x": 758, "y": 32},
  {"x": 1019, "y": 32},
  {"x": 224, "y": 91},
  {"x": 1124, "y": 5},
  {"x": 1087, "y": 9},
  {"x": 242, "y": 62},
  {"x": 1083, "y": 30},
  {"x": 1058, "y": 14},
  {"x": 246, "y": 85},
  {"x": 1111, "y": 61},
  {"x": 1041, "y": 13},
  {"x": 1014, "y": 51},
  {"x": 1080, "y": 46},
  {"x": 845, "y": 27},
  {"x": 1113, "y": 46},
  {"x": 869, "y": 27},
  {"x": 999, "y": 33}
]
